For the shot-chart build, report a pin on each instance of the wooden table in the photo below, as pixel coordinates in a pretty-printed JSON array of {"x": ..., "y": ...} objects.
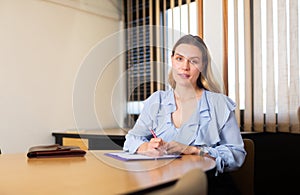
[
  {"x": 93, "y": 174},
  {"x": 108, "y": 139}
]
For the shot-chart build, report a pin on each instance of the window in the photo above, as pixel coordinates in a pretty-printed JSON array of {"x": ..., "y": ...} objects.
[
  {"x": 264, "y": 63},
  {"x": 148, "y": 46},
  {"x": 263, "y": 55}
]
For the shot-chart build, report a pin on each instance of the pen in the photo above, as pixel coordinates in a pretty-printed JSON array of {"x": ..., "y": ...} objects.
[{"x": 154, "y": 135}]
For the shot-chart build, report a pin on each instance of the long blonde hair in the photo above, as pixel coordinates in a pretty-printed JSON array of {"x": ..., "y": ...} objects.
[{"x": 206, "y": 79}]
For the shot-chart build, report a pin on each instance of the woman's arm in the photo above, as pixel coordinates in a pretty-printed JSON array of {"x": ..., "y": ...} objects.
[
  {"x": 229, "y": 152},
  {"x": 140, "y": 135}
]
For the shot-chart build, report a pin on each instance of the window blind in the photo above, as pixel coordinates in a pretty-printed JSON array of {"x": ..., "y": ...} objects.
[
  {"x": 271, "y": 62},
  {"x": 151, "y": 32}
]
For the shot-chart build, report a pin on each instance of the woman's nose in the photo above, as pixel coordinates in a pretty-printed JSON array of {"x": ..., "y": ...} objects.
[{"x": 185, "y": 64}]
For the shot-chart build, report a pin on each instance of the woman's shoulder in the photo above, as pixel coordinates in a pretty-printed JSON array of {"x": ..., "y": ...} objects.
[
  {"x": 219, "y": 99},
  {"x": 157, "y": 99},
  {"x": 160, "y": 95},
  {"x": 221, "y": 106}
]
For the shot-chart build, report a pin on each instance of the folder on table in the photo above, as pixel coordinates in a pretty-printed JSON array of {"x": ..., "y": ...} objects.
[{"x": 126, "y": 156}]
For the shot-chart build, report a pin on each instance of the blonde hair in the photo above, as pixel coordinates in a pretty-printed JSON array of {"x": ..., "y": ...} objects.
[{"x": 206, "y": 79}]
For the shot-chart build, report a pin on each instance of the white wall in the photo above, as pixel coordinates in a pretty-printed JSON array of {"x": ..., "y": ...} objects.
[{"x": 43, "y": 47}]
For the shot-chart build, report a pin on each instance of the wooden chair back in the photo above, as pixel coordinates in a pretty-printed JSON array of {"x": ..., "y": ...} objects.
[
  {"x": 244, "y": 176},
  {"x": 194, "y": 182}
]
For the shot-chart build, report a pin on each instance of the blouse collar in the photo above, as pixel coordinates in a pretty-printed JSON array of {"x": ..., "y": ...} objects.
[{"x": 203, "y": 107}]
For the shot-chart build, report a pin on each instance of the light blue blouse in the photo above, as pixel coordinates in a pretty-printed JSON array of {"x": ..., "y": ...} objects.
[{"x": 213, "y": 126}]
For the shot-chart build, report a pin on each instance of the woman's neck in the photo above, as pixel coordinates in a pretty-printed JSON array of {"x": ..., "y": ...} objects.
[
  {"x": 185, "y": 93},
  {"x": 186, "y": 100}
]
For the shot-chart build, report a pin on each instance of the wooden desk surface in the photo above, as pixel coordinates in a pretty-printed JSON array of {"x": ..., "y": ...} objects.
[{"x": 93, "y": 174}]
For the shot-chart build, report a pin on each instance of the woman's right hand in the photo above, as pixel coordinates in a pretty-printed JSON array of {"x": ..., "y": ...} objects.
[{"x": 155, "y": 147}]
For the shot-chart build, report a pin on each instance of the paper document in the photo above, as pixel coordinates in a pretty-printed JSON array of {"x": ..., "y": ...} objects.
[{"x": 126, "y": 156}]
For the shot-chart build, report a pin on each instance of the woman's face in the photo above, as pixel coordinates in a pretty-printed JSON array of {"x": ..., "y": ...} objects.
[{"x": 186, "y": 65}]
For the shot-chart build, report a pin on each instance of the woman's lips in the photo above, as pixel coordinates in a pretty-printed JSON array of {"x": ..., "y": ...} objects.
[{"x": 185, "y": 76}]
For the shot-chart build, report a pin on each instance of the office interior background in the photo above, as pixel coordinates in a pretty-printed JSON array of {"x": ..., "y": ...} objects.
[
  {"x": 53, "y": 77},
  {"x": 46, "y": 48}
]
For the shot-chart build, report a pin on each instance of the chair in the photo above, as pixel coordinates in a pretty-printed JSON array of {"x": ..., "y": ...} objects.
[
  {"x": 244, "y": 177},
  {"x": 194, "y": 182}
]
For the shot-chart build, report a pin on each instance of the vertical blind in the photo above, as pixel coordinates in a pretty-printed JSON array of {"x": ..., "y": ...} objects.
[
  {"x": 280, "y": 73},
  {"x": 271, "y": 63},
  {"x": 139, "y": 53},
  {"x": 265, "y": 60},
  {"x": 152, "y": 27}
]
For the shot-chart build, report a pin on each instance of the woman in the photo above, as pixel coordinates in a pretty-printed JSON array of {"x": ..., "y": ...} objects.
[{"x": 194, "y": 117}]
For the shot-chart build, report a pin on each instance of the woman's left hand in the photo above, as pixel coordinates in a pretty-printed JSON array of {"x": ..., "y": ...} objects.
[{"x": 179, "y": 148}]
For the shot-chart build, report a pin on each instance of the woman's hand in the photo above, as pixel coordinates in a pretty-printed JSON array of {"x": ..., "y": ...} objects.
[
  {"x": 178, "y": 148},
  {"x": 155, "y": 147}
]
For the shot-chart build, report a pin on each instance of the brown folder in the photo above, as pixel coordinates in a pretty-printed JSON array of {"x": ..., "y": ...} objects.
[{"x": 56, "y": 150}]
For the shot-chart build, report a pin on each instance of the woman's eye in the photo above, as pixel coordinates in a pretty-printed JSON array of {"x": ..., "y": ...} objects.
[
  {"x": 179, "y": 59},
  {"x": 195, "y": 62}
]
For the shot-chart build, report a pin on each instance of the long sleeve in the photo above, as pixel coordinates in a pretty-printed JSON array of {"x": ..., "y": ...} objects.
[
  {"x": 222, "y": 138},
  {"x": 229, "y": 152},
  {"x": 140, "y": 133}
]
